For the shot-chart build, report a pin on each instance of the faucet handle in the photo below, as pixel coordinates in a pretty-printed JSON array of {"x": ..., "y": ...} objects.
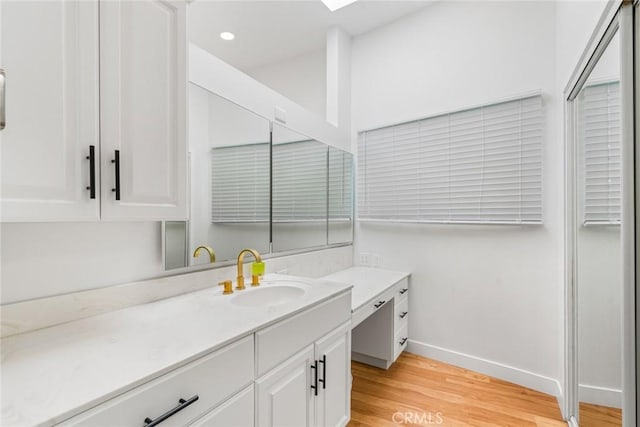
[{"x": 228, "y": 287}]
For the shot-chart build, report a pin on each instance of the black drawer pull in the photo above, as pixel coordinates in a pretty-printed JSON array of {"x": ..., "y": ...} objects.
[
  {"x": 403, "y": 290},
  {"x": 148, "y": 422},
  {"x": 324, "y": 371},
  {"x": 314, "y": 387},
  {"x": 116, "y": 162},
  {"x": 379, "y": 304},
  {"x": 403, "y": 340},
  {"x": 403, "y": 314},
  {"x": 92, "y": 172}
]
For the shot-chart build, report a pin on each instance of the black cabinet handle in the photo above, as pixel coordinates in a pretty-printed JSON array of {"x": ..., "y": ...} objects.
[
  {"x": 314, "y": 387},
  {"x": 148, "y": 422},
  {"x": 379, "y": 304},
  {"x": 116, "y": 162},
  {"x": 324, "y": 371},
  {"x": 403, "y": 340},
  {"x": 403, "y": 290},
  {"x": 92, "y": 172},
  {"x": 403, "y": 314}
]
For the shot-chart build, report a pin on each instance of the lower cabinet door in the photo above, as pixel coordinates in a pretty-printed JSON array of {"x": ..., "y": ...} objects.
[
  {"x": 284, "y": 397},
  {"x": 334, "y": 369},
  {"x": 235, "y": 412}
]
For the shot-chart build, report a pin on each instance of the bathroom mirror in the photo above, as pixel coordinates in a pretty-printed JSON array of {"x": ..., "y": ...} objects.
[
  {"x": 229, "y": 162},
  {"x": 341, "y": 196},
  {"x": 299, "y": 188},
  {"x": 598, "y": 271}
]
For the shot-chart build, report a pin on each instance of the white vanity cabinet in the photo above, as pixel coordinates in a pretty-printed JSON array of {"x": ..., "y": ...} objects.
[
  {"x": 312, "y": 387},
  {"x": 235, "y": 412},
  {"x": 295, "y": 372},
  {"x": 284, "y": 396},
  {"x": 380, "y": 319},
  {"x": 84, "y": 80},
  {"x": 189, "y": 392}
]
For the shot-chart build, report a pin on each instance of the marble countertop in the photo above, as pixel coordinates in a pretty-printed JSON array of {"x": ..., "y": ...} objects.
[
  {"x": 51, "y": 374},
  {"x": 367, "y": 282}
]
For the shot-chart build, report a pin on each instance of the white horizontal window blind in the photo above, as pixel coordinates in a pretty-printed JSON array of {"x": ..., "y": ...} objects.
[
  {"x": 481, "y": 165},
  {"x": 340, "y": 185},
  {"x": 240, "y": 183},
  {"x": 599, "y": 124},
  {"x": 299, "y": 181}
]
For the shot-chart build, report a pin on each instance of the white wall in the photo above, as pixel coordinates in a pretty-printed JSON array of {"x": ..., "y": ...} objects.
[
  {"x": 478, "y": 292},
  {"x": 302, "y": 79},
  {"x": 42, "y": 259}
]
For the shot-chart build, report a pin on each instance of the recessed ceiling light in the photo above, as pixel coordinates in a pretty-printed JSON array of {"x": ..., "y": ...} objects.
[
  {"x": 225, "y": 35},
  {"x": 334, "y": 5}
]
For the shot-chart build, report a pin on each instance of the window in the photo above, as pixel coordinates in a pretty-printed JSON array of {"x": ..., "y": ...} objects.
[
  {"x": 599, "y": 117},
  {"x": 480, "y": 165},
  {"x": 240, "y": 183}
]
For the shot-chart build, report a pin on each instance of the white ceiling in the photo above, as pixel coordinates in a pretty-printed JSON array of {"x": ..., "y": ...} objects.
[{"x": 271, "y": 31}]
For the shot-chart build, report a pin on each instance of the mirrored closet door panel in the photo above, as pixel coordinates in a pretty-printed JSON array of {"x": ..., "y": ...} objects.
[{"x": 598, "y": 274}]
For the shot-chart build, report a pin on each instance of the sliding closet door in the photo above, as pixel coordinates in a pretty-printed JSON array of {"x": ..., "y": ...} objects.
[{"x": 601, "y": 227}]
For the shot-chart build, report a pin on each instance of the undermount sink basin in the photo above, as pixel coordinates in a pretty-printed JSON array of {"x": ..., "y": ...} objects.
[{"x": 268, "y": 295}]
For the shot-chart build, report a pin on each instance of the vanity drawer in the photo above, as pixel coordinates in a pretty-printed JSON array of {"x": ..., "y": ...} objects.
[
  {"x": 371, "y": 306},
  {"x": 402, "y": 290},
  {"x": 401, "y": 315},
  {"x": 401, "y": 340},
  {"x": 277, "y": 343},
  {"x": 212, "y": 378}
]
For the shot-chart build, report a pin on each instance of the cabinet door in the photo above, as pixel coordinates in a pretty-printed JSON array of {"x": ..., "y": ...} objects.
[
  {"x": 143, "y": 81},
  {"x": 49, "y": 52},
  {"x": 334, "y": 354},
  {"x": 235, "y": 412},
  {"x": 284, "y": 396}
]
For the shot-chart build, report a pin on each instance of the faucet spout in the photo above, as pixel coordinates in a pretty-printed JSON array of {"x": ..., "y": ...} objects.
[
  {"x": 212, "y": 255},
  {"x": 255, "y": 278}
]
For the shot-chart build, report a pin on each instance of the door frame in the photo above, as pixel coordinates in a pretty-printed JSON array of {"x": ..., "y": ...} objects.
[{"x": 617, "y": 18}]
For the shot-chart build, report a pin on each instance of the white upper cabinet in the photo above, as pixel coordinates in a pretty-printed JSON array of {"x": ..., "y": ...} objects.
[
  {"x": 109, "y": 75},
  {"x": 49, "y": 52},
  {"x": 143, "y": 83}
]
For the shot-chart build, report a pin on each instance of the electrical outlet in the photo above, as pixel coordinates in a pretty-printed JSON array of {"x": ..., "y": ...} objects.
[
  {"x": 376, "y": 260},
  {"x": 364, "y": 258}
]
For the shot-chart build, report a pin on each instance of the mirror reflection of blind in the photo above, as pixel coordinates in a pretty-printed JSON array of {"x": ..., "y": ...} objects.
[
  {"x": 299, "y": 181},
  {"x": 340, "y": 185},
  {"x": 482, "y": 165},
  {"x": 240, "y": 183},
  {"x": 599, "y": 124}
]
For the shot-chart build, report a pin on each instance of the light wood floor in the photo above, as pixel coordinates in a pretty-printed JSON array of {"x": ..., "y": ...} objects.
[
  {"x": 416, "y": 387},
  {"x": 599, "y": 416}
]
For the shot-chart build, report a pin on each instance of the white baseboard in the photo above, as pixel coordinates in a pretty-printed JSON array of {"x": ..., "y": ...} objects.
[
  {"x": 504, "y": 372},
  {"x": 600, "y": 396}
]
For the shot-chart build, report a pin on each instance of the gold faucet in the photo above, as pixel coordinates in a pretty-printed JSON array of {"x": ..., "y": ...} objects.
[
  {"x": 257, "y": 268},
  {"x": 212, "y": 255}
]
